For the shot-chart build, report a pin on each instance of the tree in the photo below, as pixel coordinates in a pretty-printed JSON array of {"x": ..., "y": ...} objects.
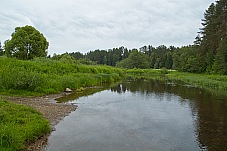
[
  {"x": 26, "y": 43},
  {"x": 66, "y": 58},
  {"x": 197, "y": 41},
  {"x": 77, "y": 55},
  {"x": 169, "y": 61},
  {"x": 220, "y": 63},
  {"x": 135, "y": 60},
  {"x": 213, "y": 33},
  {"x": 1, "y": 50},
  {"x": 185, "y": 59}
]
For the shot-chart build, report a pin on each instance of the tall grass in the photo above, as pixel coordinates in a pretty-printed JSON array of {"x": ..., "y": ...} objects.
[
  {"x": 216, "y": 82},
  {"x": 212, "y": 82},
  {"x": 18, "y": 125},
  {"x": 44, "y": 76}
]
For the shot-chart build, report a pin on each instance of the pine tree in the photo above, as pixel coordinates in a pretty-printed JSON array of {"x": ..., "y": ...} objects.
[
  {"x": 213, "y": 33},
  {"x": 220, "y": 63}
]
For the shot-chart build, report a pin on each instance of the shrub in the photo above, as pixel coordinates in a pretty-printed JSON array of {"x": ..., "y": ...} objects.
[
  {"x": 42, "y": 75},
  {"x": 164, "y": 71}
]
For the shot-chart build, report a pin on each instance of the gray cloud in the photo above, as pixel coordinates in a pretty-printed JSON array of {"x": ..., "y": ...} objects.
[{"x": 83, "y": 25}]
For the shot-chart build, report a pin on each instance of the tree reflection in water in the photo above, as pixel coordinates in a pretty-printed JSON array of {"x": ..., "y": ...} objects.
[{"x": 209, "y": 110}]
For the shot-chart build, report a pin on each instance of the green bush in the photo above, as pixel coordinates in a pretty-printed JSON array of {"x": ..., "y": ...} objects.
[
  {"x": 44, "y": 76},
  {"x": 164, "y": 71}
]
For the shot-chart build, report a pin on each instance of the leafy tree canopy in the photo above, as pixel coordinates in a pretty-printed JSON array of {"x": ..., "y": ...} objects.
[
  {"x": 135, "y": 60},
  {"x": 26, "y": 43}
]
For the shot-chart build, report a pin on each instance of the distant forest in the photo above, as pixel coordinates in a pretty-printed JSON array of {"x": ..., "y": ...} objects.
[{"x": 207, "y": 54}]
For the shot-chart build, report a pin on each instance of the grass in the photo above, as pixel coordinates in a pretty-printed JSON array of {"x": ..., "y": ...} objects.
[
  {"x": 215, "y": 82},
  {"x": 211, "y": 82},
  {"x": 45, "y": 76},
  {"x": 19, "y": 125}
]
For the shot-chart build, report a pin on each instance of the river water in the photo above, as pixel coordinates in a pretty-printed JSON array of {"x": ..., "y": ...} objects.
[{"x": 143, "y": 115}]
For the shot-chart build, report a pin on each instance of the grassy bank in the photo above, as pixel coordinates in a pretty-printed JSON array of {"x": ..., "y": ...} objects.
[
  {"x": 19, "y": 125},
  {"x": 215, "y": 82},
  {"x": 45, "y": 76},
  {"x": 211, "y": 82}
]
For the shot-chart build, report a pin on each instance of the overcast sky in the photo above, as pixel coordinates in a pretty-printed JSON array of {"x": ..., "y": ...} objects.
[{"x": 84, "y": 25}]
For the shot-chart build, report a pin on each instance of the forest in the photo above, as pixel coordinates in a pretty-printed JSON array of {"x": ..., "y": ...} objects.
[{"x": 208, "y": 53}]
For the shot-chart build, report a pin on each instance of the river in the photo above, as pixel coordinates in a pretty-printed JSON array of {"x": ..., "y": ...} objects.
[{"x": 143, "y": 115}]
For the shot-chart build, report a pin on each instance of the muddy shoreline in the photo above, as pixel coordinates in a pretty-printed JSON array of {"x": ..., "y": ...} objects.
[{"x": 52, "y": 111}]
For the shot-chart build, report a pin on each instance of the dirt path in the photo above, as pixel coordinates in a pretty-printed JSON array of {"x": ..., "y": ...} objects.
[{"x": 52, "y": 111}]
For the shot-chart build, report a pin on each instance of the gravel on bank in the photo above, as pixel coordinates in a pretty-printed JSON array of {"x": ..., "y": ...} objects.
[{"x": 52, "y": 111}]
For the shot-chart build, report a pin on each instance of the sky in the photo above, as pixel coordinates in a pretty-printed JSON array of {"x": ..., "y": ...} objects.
[{"x": 87, "y": 25}]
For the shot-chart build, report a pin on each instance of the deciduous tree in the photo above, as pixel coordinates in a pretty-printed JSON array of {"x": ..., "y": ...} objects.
[
  {"x": 135, "y": 60},
  {"x": 26, "y": 43}
]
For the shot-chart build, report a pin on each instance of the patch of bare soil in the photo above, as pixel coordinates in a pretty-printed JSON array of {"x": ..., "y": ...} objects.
[{"x": 52, "y": 111}]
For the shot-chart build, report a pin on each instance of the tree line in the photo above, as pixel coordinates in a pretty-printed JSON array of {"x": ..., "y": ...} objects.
[
  {"x": 145, "y": 57},
  {"x": 207, "y": 54}
]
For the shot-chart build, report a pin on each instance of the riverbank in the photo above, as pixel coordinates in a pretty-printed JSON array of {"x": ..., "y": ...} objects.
[
  {"x": 211, "y": 82},
  {"x": 41, "y": 77},
  {"x": 53, "y": 112},
  {"x": 45, "y": 76}
]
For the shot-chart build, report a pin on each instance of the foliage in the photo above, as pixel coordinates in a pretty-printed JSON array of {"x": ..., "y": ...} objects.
[
  {"x": 212, "y": 45},
  {"x": 208, "y": 54},
  {"x": 135, "y": 60},
  {"x": 220, "y": 62},
  {"x": 105, "y": 57},
  {"x": 161, "y": 56},
  {"x": 73, "y": 58},
  {"x": 77, "y": 55},
  {"x": 26, "y": 43},
  {"x": 211, "y": 82},
  {"x": 66, "y": 58},
  {"x": 19, "y": 125},
  {"x": 158, "y": 57},
  {"x": 185, "y": 59},
  {"x": 44, "y": 76},
  {"x": 147, "y": 73},
  {"x": 86, "y": 61},
  {"x": 1, "y": 49},
  {"x": 164, "y": 71}
]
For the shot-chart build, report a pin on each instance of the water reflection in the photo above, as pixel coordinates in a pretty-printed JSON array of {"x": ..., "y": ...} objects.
[
  {"x": 140, "y": 114},
  {"x": 209, "y": 110}
]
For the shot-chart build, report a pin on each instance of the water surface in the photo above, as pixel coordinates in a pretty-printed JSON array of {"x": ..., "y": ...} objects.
[{"x": 144, "y": 115}]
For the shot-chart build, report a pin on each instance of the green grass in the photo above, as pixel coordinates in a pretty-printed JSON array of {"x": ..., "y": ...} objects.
[
  {"x": 215, "y": 82},
  {"x": 45, "y": 76},
  {"x": 211, "y": 82},
  {"x": 19, "y": 125}
]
